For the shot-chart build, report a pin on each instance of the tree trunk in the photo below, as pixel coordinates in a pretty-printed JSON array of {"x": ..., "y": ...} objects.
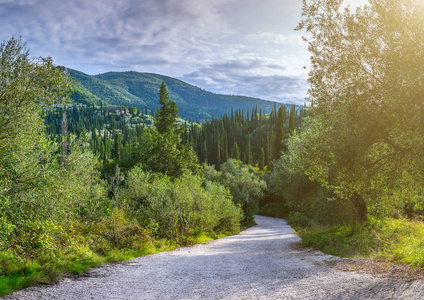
[{"x": 360, "y": 206}]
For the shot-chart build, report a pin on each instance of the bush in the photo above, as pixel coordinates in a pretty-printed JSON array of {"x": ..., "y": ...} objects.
[
  {"x": 299, "y": 220},
  {"x": 305, "y": 197},
  {"x": 121, "y": 232},
  {"x": 244, "y": 182},
  {"x": 180, "y": 208}
]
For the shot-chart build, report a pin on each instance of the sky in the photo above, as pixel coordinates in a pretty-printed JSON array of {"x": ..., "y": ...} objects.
[{"x": 239, "y": 47}]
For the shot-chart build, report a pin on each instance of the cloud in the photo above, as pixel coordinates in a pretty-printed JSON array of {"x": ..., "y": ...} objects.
[
  {"x": 216, "y": 44},
  {"x": 255, "y": 78},
  {"x": 18, "y": 2}
]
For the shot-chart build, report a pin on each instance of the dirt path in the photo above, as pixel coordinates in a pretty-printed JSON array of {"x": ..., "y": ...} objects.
[{"x": 259, "y": 263}]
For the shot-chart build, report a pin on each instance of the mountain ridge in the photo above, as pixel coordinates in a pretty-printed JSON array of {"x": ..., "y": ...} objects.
[{"x": 140, "y": 90}]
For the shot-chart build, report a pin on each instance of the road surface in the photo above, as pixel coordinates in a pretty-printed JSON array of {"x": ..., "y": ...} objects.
[{"x": 259, "y": 263}]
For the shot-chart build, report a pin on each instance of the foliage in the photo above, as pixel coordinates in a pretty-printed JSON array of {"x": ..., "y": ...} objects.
[
  {"x": 25, "y": 151},
  {"x": 162, "y": 153},
  {"x": 256, "y": 139},
  {"x": 45, "y": 251},
  {"x": 292, "y": 195},
  {"x": 181, "y": 208},
  {"x": 243, "y": 181},
  {"x": 56, "y": 213},
  {"x": 274, "y": 209},
  {"x": 161, "y": 150},
  {"x": 363, "y": 138},
  {"x": 167, "y": 113}
]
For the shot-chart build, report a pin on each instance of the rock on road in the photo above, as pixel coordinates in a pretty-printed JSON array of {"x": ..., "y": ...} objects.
[{"x": 259, "y": 263}]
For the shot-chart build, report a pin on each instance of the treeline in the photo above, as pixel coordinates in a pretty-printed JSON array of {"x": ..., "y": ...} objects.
[
  {"x": 105, "y": 127},
  {"x": 114, "y": 132},
  {"x": 255, "y": 138}
]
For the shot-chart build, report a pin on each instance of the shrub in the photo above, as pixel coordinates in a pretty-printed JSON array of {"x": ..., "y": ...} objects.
[
  {"x": 244, "y": 182},
  {"x": 298, "y": 219},
  {"x": 183, "y": 208},
  {"x": 121, "y": 232}
]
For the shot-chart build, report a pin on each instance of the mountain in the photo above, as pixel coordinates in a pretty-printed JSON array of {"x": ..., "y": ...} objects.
[{"x": 141, "y": 91}]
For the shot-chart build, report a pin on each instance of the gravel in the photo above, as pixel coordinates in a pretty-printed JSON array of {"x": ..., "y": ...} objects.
[{"x": 259, "y": 263}]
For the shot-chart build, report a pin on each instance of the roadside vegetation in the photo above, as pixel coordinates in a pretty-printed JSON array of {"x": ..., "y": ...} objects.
[
  {"x": 351, "y": 180},
  {"x": 82, "y": 185},
  {"x": 65, "y": 209}
]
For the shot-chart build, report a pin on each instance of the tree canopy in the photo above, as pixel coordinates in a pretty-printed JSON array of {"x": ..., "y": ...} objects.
[
  {"x": 167, "y": 113},
  {"x": 25, "y": 84},
  {"x": 365, "y": 134}
]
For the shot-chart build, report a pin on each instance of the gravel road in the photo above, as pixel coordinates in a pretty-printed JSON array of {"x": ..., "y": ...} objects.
[{"x": 259, "y": 263}]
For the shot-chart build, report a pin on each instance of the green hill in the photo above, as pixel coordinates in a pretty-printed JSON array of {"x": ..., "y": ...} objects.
[{"x": 141, "y": 90}]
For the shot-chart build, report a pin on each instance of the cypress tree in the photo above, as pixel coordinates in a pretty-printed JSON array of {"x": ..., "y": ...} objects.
[
  {"x": 262, "y": 160},
  {"x": 225, "y": 154},
  {"x": 117, "y": 147},
  {"x": 235, "y": 151},
  {"x": 218, "y": 156},
  {"x": 64, "y": 138},
  {"x": 279, "y": 134},
  {"x": 249, "y": 158},
  {"x": 205, "y": 152},
  {"x": 291, "y": 122}
]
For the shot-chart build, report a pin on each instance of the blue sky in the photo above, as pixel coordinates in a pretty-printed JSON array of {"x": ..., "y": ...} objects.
[{"x": 243, "y": 47}]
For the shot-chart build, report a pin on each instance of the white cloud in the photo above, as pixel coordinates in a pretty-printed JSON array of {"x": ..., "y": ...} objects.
[{"x": 217, "y": 44}]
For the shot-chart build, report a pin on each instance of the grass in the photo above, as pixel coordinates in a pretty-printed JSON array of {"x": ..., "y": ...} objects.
[
  {"x": 21, "y": 271},
  {"x": 389, "y": 239}
]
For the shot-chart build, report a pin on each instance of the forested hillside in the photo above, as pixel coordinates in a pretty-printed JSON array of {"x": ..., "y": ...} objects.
[
  {"x": 140, "y": 90},
  {"x": 249, "y": 136}
]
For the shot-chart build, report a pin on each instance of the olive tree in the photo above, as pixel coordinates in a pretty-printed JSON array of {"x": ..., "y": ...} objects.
[
  {"x": 26, "y": 153},
  {"x": 365, "y": 135}
]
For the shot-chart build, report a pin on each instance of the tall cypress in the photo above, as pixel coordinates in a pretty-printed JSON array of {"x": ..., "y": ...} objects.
[
  {"x": 235, "y": 151},
  {"x": 64, "y": 138},
  {"x": 291, "y": 122},
  {"x": 117, "y": 147},
  {"x": 249, "y": 158},
  {"x": 218, "y": 156},
  {"x": 279, "y": 134},
  {"x": 262, "y": 160}
]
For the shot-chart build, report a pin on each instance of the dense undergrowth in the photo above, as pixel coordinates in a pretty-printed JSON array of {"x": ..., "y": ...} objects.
[
  {"x": 330, "y": 224},
  {"x": 151, "y": 213},
  {"x": 63, "y": 209},
  {"x": 46, "y": 252}
]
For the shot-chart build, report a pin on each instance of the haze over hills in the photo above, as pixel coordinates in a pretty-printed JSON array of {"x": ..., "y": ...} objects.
[{"x": 141, "y": 90}]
